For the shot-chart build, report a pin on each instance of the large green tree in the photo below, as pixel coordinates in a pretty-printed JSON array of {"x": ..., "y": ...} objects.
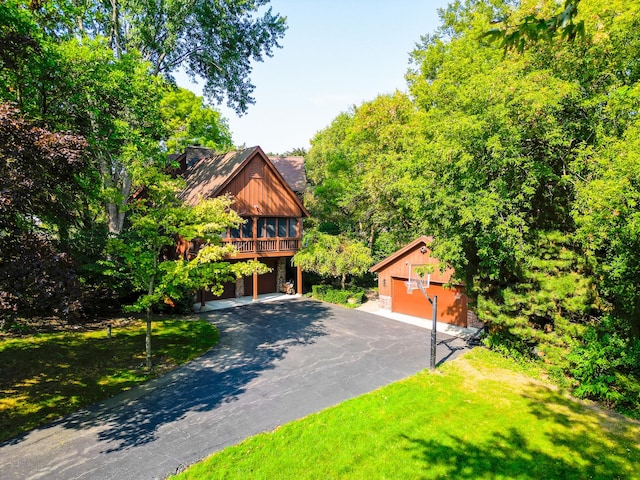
[
  {"x": 213, "y": 40},
  {"x": 359, "y": 168},
  {"x": 190, "y": 122},
  {"x": 521, "y": 163}
]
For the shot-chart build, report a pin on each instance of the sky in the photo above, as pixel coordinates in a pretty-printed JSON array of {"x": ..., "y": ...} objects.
[{"x": 335, "y": 54}]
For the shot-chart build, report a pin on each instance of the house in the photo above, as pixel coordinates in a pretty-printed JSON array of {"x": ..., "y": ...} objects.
[
  {"x": 264, "y": 198},
  {"x": 399, "y": 268}
]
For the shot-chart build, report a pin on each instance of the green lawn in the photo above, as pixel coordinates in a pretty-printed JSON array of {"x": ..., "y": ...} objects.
[
  {"x": 479, "y": 417},
  {"x": 47, "y": 375}
]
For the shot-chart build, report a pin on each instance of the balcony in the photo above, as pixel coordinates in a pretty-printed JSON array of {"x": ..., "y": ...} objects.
[{"x": 264, "y": 245}]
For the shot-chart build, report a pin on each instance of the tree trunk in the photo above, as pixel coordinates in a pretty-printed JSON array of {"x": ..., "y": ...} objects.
[
  {"x": 115, "y": 178},
  {"x": 113, "y": 175},
  {"x": 372, "y": 236},
  {"x": 343, "y": 280},
  {"x": 115, "y": 26},
  {"x": 147, "y": 340}
]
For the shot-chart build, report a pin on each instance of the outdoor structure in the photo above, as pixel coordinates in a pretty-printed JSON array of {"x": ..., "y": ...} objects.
[
  {"x": 399, "y": 268},
  {"x": 265, "y": 199}
]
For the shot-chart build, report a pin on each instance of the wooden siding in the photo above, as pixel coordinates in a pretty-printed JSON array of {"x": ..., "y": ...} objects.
[
  {"x": 396, "y": 270},
  {"x": 258, "y": 191},
  {"x": 400, "y": 269}
]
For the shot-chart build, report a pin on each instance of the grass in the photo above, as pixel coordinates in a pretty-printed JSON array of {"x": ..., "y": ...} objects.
[
  {"x": 479, "y": 417},
  {"x": 44, "y": 376}
]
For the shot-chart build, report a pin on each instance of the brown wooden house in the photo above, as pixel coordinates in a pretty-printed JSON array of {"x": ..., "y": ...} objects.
[
  {"x": 397, "y": 269},
  {"x": 272, "y": 210}
]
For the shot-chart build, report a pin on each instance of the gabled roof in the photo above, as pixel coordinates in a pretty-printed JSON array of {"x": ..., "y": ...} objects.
[
  {"x": 420, "y": 241},
  {"x": 292, "y": 170},
  {"x": 207, "y": 173}
]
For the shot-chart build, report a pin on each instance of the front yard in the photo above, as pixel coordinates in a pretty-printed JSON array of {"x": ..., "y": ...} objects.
[
  {"x": 478, "y": 417},
  {"x": 44, "y": 376}
]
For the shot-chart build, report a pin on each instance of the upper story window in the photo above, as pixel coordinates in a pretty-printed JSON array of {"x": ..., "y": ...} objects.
[
  {"x": 245, "y": 230},
  {"x": 270, "y": 227},
  {"x": 267, "y": 227}
]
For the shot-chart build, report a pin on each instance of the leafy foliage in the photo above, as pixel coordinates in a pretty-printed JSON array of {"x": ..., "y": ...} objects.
[
  {"x": 348, "y": 297},
  {"x": 333, "y": 256},
  {"x": 216, "y": 41},
  {"x": 523, "y": 167},
  {"x": 38, "y": 197},
  {"x": 191, "y": 122},
  {"x": 533, "y": 29}
]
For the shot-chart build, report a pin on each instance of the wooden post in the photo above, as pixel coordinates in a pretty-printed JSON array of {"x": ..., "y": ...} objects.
[
  {"x": 254, "y": 233},
  {"x": 299, "y": 280},
  {"x": 255, "y": 283}
]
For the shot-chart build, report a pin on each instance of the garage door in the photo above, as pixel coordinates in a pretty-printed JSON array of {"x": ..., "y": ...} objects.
[{"x": 452, "y": 304}]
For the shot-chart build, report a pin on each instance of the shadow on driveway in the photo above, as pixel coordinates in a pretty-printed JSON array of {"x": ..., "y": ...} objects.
[
  {"x": 250, "y": 343},
  {"x": 275, "y": 362}
]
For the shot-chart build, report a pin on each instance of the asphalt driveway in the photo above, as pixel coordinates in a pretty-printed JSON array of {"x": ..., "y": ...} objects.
[{"x": 275, "y": 362}]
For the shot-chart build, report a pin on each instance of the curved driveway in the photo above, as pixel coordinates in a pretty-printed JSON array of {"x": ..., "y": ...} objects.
[{"x": 275, "y": 362}]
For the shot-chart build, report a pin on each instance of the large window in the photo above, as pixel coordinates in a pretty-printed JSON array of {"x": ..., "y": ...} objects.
[
  {"x": 245, "y": 230},
  {"x": 267, "y": 227},
  {"x": 292, "y": 226},
  {"x": 284, "y": 227}
]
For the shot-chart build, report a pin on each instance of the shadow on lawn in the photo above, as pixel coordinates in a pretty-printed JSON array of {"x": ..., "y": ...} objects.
[
  {"x": 63, "y": 372},
  {"x": 252, "y": 338},
  {"x": 575, "y": 449}
]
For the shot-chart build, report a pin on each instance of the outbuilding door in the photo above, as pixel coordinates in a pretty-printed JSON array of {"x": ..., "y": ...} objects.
[{"x": 452, "y": 303}]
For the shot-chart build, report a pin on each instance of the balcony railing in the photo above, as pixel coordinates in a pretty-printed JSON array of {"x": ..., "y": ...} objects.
[{"x": 264, "y": 245}]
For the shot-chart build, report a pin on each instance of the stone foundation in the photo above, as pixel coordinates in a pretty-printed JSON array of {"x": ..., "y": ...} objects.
[
  {"x": 281, "y": 274},
  {"x": 472, "y": 320},
  {"x": 240, "y": 287},
  {"x": 384, "y": 302}
]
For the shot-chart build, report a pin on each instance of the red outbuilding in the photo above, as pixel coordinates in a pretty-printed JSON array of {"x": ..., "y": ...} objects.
[{"x": 396, "y": 270}]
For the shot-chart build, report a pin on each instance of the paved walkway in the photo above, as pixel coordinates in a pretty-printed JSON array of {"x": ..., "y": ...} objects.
[{"x": 275, "y": 362}]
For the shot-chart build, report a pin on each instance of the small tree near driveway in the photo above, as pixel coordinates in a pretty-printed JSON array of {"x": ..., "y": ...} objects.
[
  {"x": 156, "y": 219},
  {"x": 333, "y": 256}
]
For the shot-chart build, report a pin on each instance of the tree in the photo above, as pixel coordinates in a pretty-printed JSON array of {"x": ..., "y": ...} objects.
[
  {"x": 79, "y": 85},
  {"x": 190, "y": 122},
  {"x": 213, "y": 40},
  {"x": 534, "y": 28},
  {"x": 522, "y": 165},
  {"x": 120, "y": 118},
  {"x": 157, "y": 219},
  {"x": 360, "y": 168},
  {"x": 332, "y": 255},
  {"x": 39, "y": 194},
  {"x": 296, "y": 152},
  {"x": 92, "y": 67}
]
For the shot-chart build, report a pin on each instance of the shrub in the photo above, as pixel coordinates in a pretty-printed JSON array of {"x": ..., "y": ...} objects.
[
  {"x": 349, "y": 297},
  {"x": 607, "y": 367}
]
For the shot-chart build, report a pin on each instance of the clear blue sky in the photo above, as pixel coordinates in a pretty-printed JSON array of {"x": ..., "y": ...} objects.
[{"x": 335, "y": 54}]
